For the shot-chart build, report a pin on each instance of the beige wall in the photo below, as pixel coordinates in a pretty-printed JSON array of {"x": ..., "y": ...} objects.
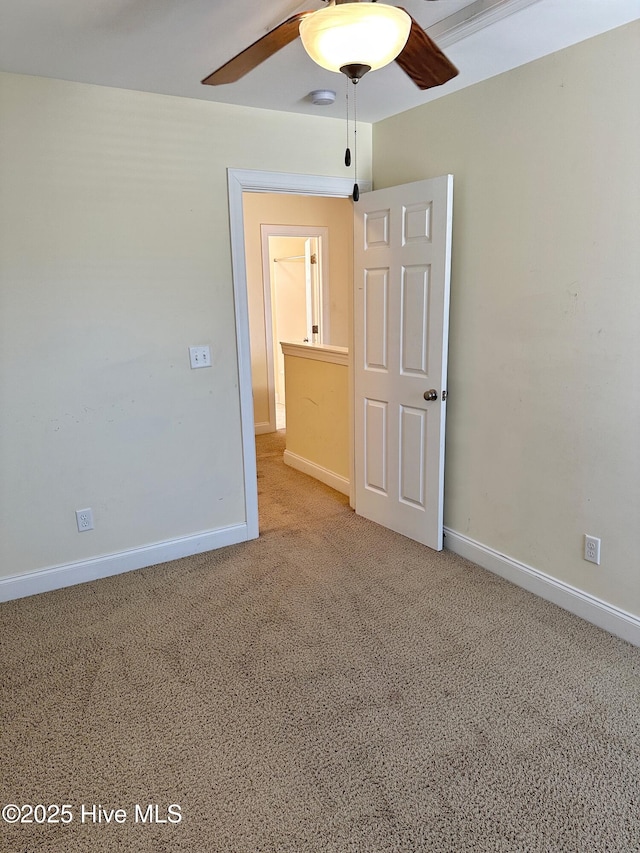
[
  {"x": 276, "y": 209},
  {"x": 318, "y": 413},
  {"x": 114, "y": 258},
  {"x": 544, "y": 411}
]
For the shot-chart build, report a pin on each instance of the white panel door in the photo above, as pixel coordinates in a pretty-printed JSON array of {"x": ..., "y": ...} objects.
[{"x": 402, "y": 261}]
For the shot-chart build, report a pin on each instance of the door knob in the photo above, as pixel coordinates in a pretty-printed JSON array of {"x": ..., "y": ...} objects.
[{"x": 431, "y": 395}]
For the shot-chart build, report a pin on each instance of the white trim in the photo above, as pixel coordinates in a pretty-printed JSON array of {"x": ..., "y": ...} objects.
[
  {"x": 588, "y": 607},
  {"x": 329, "y": 478},
  {"x": 238, "y": 182},
  {"x": 473, "y": 18},
  {"x": 256, "y": 181},
  {"x": 321, "y": 233},
  {"x": 264, "y": 426},
  {"x": 317, "y": 352},
  {"x": 58, "y": 577},
  {"x": 243, "y": 351},
  {"x": 267, "y": 297}
]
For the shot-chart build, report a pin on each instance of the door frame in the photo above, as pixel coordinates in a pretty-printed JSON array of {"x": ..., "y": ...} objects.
[
  {"x": 321, "y": 232},
  {"x": 240, "y": 181}
]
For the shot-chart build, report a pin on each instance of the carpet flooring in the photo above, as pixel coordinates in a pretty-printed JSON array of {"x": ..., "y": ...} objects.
[{"x": 330, "y": 686}]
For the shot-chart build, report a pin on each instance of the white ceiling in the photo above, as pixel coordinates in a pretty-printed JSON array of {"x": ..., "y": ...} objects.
[{"x": 168, "y": 46}]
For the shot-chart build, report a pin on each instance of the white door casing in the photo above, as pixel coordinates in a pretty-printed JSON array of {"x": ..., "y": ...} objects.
[
  {"x": 288, "y": 301},
  {"x": 313, "y": 284},
  {"x": 272, "y": 346},
  {"x": 240, "y": 181},
  {"x": 402, "y": 265}
]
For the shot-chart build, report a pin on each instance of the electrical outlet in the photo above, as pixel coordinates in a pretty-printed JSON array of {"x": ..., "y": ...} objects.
[
  {"x": 592, "y": 549},
  {"x": 84, "y": 519}
]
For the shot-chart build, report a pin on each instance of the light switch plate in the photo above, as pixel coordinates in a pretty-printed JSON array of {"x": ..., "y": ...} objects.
[{"x": 199, "y": 357}]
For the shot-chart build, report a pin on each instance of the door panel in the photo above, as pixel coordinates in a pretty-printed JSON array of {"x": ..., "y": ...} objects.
[
  {"x": 401, "y": 314},
  {"x": 412, "y": 461},
  {"x": 376, "y": 313},
  {"x": 375, "y": 439},
  {"x": 414, "y": 346},
  {"x": 417, "y": 223},
  {"x": 376, "y": 228}
]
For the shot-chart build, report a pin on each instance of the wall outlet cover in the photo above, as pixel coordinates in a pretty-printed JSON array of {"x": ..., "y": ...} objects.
[
  {"x": 84, "y": 519},
  {"x": 592, "y": 549}
]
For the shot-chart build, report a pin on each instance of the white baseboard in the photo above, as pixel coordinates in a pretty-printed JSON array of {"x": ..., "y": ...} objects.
[
  {"x": 263, "y": 427},
  {"x": 588, "y": 607},
  {"x": 329, "y": 478},
  {"x": 57, "y": 577}
]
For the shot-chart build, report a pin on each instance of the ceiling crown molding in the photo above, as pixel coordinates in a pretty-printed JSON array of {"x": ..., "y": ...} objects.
[{"x": 473, "y": 18}]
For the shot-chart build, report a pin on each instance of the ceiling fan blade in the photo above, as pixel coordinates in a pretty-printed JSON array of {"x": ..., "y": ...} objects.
[
  {"x": 256, "y": 53},
  {"x": 423, "y": 61}
]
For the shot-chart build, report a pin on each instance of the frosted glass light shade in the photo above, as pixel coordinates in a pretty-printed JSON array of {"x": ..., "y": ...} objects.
[{"x": 355, "y": 33}]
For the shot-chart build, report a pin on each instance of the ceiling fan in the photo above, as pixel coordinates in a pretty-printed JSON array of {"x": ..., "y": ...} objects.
[{"x": 351, "y": 36}]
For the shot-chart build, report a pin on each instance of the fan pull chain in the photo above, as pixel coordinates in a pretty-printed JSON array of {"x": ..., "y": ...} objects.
[
  {"x": 356, "y": 188},
  {"x": 347, "y": 153}
]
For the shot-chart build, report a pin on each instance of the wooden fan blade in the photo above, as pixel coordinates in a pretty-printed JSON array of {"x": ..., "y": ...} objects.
[
  {"x": 256, "y": 53},
  {"x": 423, "y": 61}
]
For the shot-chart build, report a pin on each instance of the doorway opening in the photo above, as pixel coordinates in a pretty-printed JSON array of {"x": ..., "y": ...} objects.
[
  {"x": 296, "y": 302},
  {"x": 241, "y": 182},
  {"x": 421, "y": 214}
]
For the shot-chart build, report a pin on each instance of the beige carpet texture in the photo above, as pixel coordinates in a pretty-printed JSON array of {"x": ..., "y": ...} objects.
[{"x": 330, "y": 686}]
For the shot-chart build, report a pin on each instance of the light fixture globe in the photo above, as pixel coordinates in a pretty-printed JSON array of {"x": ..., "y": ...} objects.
[{"x": 355, "y": 34}]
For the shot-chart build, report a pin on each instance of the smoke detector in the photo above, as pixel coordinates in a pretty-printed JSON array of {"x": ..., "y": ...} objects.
[{"x": 322, "y": 97}]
